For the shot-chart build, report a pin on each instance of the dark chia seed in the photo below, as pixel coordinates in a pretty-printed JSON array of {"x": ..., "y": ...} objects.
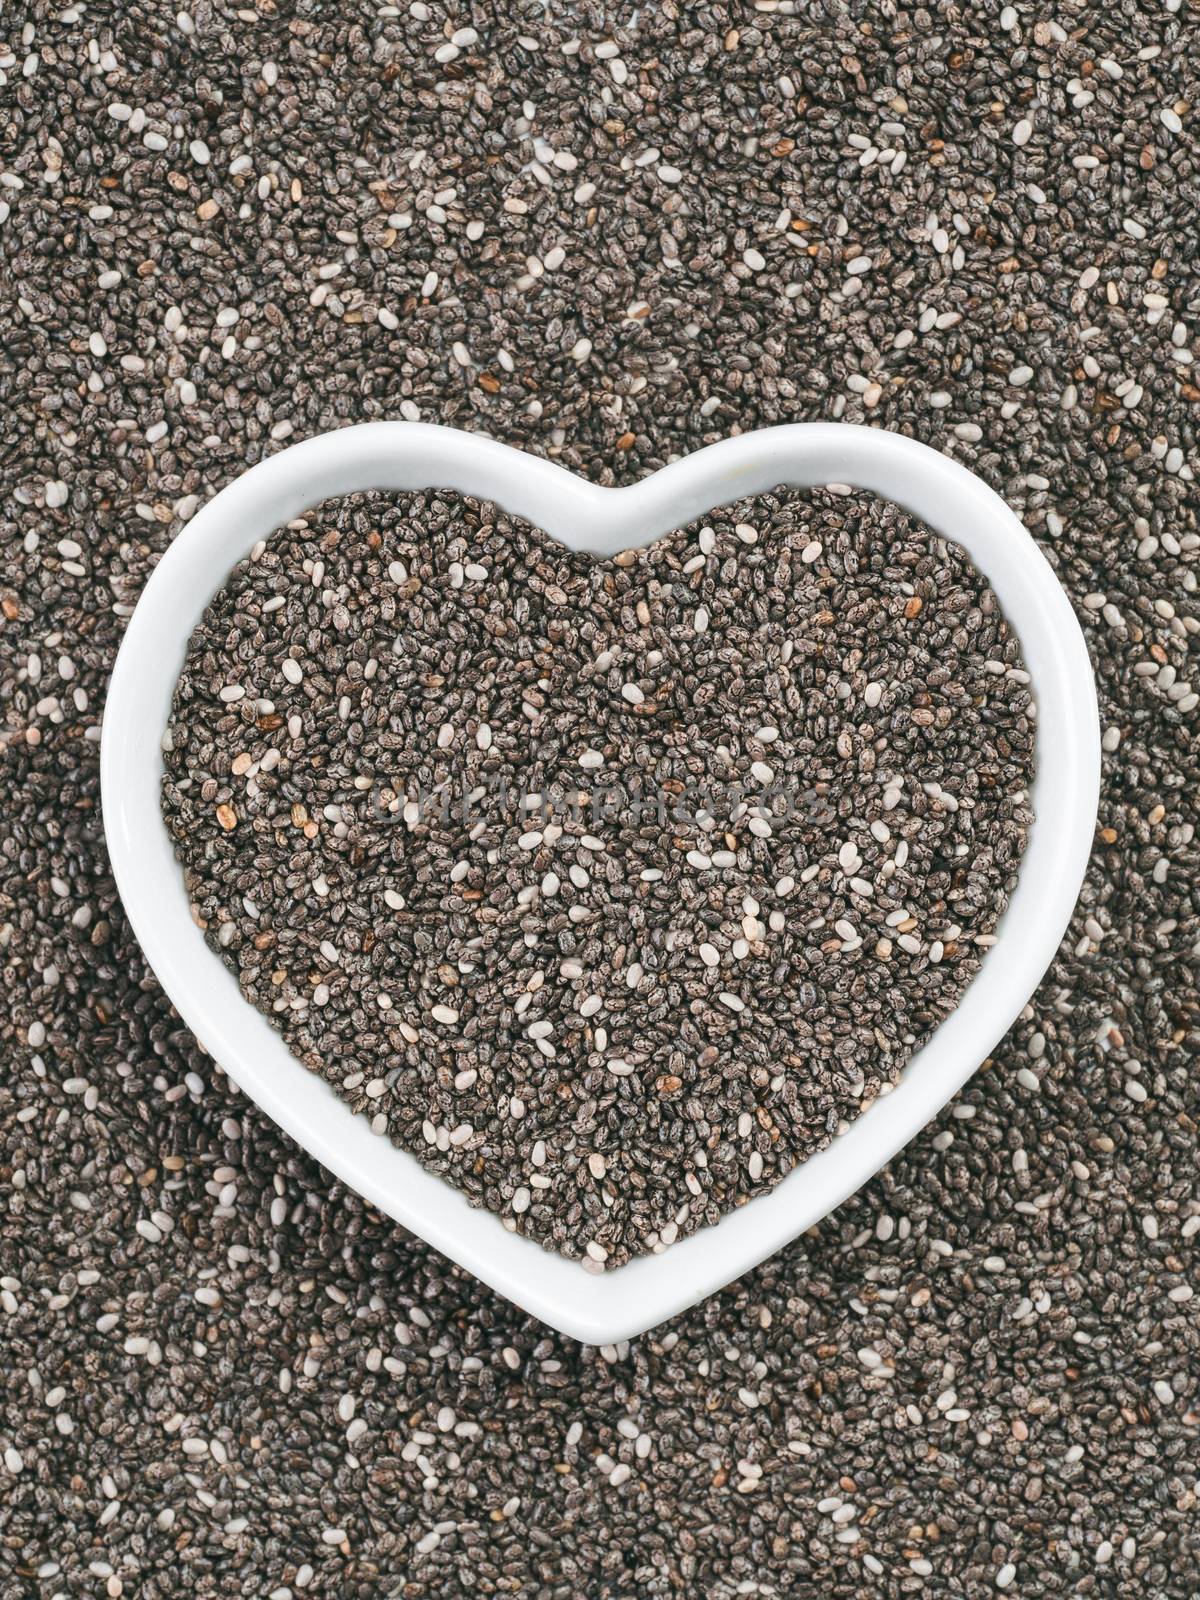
[
  {"x": 610, "y": 890},
  {"x": 224, "y": 1374}
]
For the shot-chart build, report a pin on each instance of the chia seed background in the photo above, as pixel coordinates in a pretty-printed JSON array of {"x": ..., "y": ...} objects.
[{"x": 226, "y": 1375}]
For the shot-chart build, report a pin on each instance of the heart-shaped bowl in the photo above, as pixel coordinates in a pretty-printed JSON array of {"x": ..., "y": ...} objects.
[{"x": 601, "y": 1308}]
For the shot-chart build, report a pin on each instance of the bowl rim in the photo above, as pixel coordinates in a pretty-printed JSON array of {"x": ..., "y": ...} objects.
[{"x": 614, "y": 1305}]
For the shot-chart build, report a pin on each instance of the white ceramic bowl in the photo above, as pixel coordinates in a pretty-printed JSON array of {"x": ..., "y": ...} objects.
[{"x": 398, "y": 455}]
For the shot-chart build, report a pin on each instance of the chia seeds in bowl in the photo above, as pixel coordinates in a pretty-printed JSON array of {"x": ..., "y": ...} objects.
[{"x": 609, "y": 890}]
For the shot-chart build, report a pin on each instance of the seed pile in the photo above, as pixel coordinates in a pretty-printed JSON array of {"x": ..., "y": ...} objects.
[
  {"x": 610, "y": 890},
  {"x": 223, "y": 1372}
]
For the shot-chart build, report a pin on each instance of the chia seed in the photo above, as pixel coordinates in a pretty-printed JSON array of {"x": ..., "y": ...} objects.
[
  {"x": 1034, "y": 1404},
  {"x": 699, "y": 967}
]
